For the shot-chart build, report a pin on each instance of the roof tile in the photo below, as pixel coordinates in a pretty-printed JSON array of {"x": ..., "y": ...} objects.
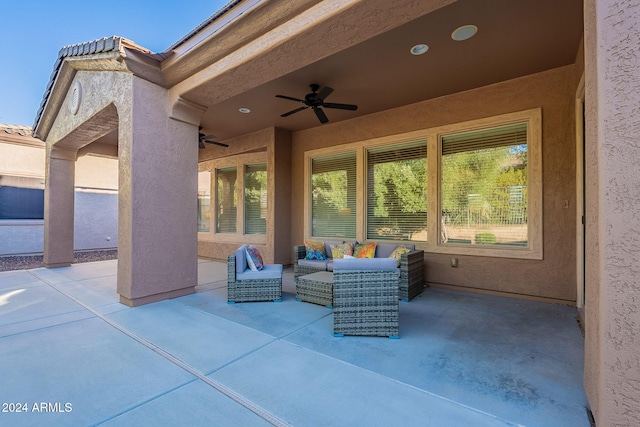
[{"x": 20, "y": 130}]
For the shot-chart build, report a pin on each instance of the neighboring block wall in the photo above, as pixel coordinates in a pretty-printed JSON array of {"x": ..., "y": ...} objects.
[{"x": 96, "y": 200}]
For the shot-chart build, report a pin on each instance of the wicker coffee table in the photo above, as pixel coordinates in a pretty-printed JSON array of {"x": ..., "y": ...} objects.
[{"x": 316, "y": 288}]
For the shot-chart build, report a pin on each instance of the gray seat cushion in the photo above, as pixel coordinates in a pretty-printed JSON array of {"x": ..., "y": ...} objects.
[
  {"x": 269, "y": 271},
  {"x": 363, "y": 264}
]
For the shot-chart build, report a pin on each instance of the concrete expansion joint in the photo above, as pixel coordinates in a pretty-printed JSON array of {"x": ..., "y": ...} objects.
[{"x": 262, "y": 413}]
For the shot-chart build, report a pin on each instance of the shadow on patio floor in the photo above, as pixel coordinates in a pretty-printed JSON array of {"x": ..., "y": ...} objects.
[{"x": 462, "y": 359}]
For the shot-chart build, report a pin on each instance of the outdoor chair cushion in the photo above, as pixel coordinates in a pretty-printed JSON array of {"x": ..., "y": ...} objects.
[
  {"x": 363, "y": 264},
  {"x": 241, "y": 259},
  {"x": 269, "y": 271}
]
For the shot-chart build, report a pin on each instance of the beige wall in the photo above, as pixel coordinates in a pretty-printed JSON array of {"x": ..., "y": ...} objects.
[
  {"x": 91, "y": 172},
  {"x": 552, "y": 278},
  {"x": 25, "y": 156},
  {"x": 97, "y": 172},
  {"x": 21, "y": 160}
]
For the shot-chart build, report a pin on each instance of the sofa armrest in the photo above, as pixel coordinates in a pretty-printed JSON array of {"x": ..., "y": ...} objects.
[
  {"x": 411, "y": 274},
  {"x": 231, "y": 268},
  {"x": 299, "y": 252}
]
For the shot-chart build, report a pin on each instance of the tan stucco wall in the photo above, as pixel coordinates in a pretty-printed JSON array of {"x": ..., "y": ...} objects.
[
  {"x": 21, "y": 160},
  {"x": 97, "y": 173},
  {"x": 552, "y": 278},
  {"x": 91, "y": 172},
  {"x": 612, "y": 86},
  {"x": 157, "y": 248}
]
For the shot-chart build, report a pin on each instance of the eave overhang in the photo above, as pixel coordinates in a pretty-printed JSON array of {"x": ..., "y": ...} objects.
[{"x": 114, "y": 54}]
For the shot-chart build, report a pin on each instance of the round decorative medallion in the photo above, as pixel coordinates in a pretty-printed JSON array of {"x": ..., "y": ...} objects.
[{"x": 75, "y": 98}]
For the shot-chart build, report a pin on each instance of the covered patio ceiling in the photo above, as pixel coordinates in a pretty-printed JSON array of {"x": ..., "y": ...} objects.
[{"x": 514, "y": 38}]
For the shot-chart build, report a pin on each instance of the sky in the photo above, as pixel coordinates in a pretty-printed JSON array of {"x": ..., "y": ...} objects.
[{"x": 32, "y": 32}]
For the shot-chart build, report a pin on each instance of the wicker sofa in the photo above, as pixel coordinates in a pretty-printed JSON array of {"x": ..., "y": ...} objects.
[
  {"x": 365, "y": 297},
  {"x": 411, "y": 270},
  {"x": 245, "y": 285}
]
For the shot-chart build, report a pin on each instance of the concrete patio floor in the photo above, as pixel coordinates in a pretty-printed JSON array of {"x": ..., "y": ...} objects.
[{"x": 72, "y": 355}]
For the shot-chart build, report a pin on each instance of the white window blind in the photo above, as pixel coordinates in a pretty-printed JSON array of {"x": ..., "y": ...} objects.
[
  {"x": 255, "y": 199},
  {"x": 397, "y": 192},
  {"x": 226, "y": 200},
  {"x": 204, "y": 201},
  {"x": 333, "y": 193},
  {"x": 484, "y": 187}
]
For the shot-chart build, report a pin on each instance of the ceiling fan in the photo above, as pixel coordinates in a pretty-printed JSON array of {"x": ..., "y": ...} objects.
[
  {"x": 315, "y": 100},
  {"x": 202, "y": 138}
]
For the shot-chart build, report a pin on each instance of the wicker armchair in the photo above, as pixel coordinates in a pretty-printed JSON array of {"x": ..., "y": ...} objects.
[
  {"x": 365, "y": 297},
  {"x": 412, "y": 271},
  {"x": 245, "y": 285}
]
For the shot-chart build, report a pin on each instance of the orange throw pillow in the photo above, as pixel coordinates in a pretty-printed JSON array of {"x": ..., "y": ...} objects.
[{"x": 365, "y": 250}]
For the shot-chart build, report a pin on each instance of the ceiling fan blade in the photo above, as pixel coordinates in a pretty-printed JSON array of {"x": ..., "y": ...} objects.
[
  {"x": 208, "y": 137},
  {"x": 321, "y": 115},
  {"x": 289, "y": 98},
  {"x": 208, "y": 141},
  {"x": 324, "y": 92},
  {"x": 294, "y": 111},
  {"x": 222, "y": 144},
  {"x": 201, "y": 144},
  {"x": 350, "y": 107}
]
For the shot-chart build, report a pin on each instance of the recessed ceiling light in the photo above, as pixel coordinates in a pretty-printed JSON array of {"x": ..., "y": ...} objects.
[
  {"x": 244, "y": 110},
  {"x": 465, "y": 32},
  {"x": 419, "y": 49}
]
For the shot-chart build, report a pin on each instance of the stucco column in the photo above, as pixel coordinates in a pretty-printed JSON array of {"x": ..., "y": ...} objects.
[
  {"x": 157, "y": 200},
  {"x": 612, "y": 306},
  {"x": 58, "y": 207}
]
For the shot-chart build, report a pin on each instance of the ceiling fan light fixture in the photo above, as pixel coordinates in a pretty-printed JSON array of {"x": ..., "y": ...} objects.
[
  {"x": 315, "y": 100},
  {"x": 464, "y": 33},
  {"x": 244, "y": 110},
  {"x": 419, "y": 49}
]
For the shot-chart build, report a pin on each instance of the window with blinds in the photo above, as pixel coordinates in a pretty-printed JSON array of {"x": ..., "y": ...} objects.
[
  {"x": 483, "y": 188},
  {"x": 204, "y": 201},
  {"x": 255, "y": 199},
  {"x": 397, "y": 192},
  {"x": 333, "y": 196},
  {"x": 226, "y": 200}
]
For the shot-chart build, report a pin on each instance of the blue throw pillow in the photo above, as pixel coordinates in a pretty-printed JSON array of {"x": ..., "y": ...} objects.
[{"x": 315, "y": 250}]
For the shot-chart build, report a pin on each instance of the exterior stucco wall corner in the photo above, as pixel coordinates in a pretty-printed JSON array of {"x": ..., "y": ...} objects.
[
  {"x": 612, "y": 376},
  {"x": 157, "y": 240}
]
